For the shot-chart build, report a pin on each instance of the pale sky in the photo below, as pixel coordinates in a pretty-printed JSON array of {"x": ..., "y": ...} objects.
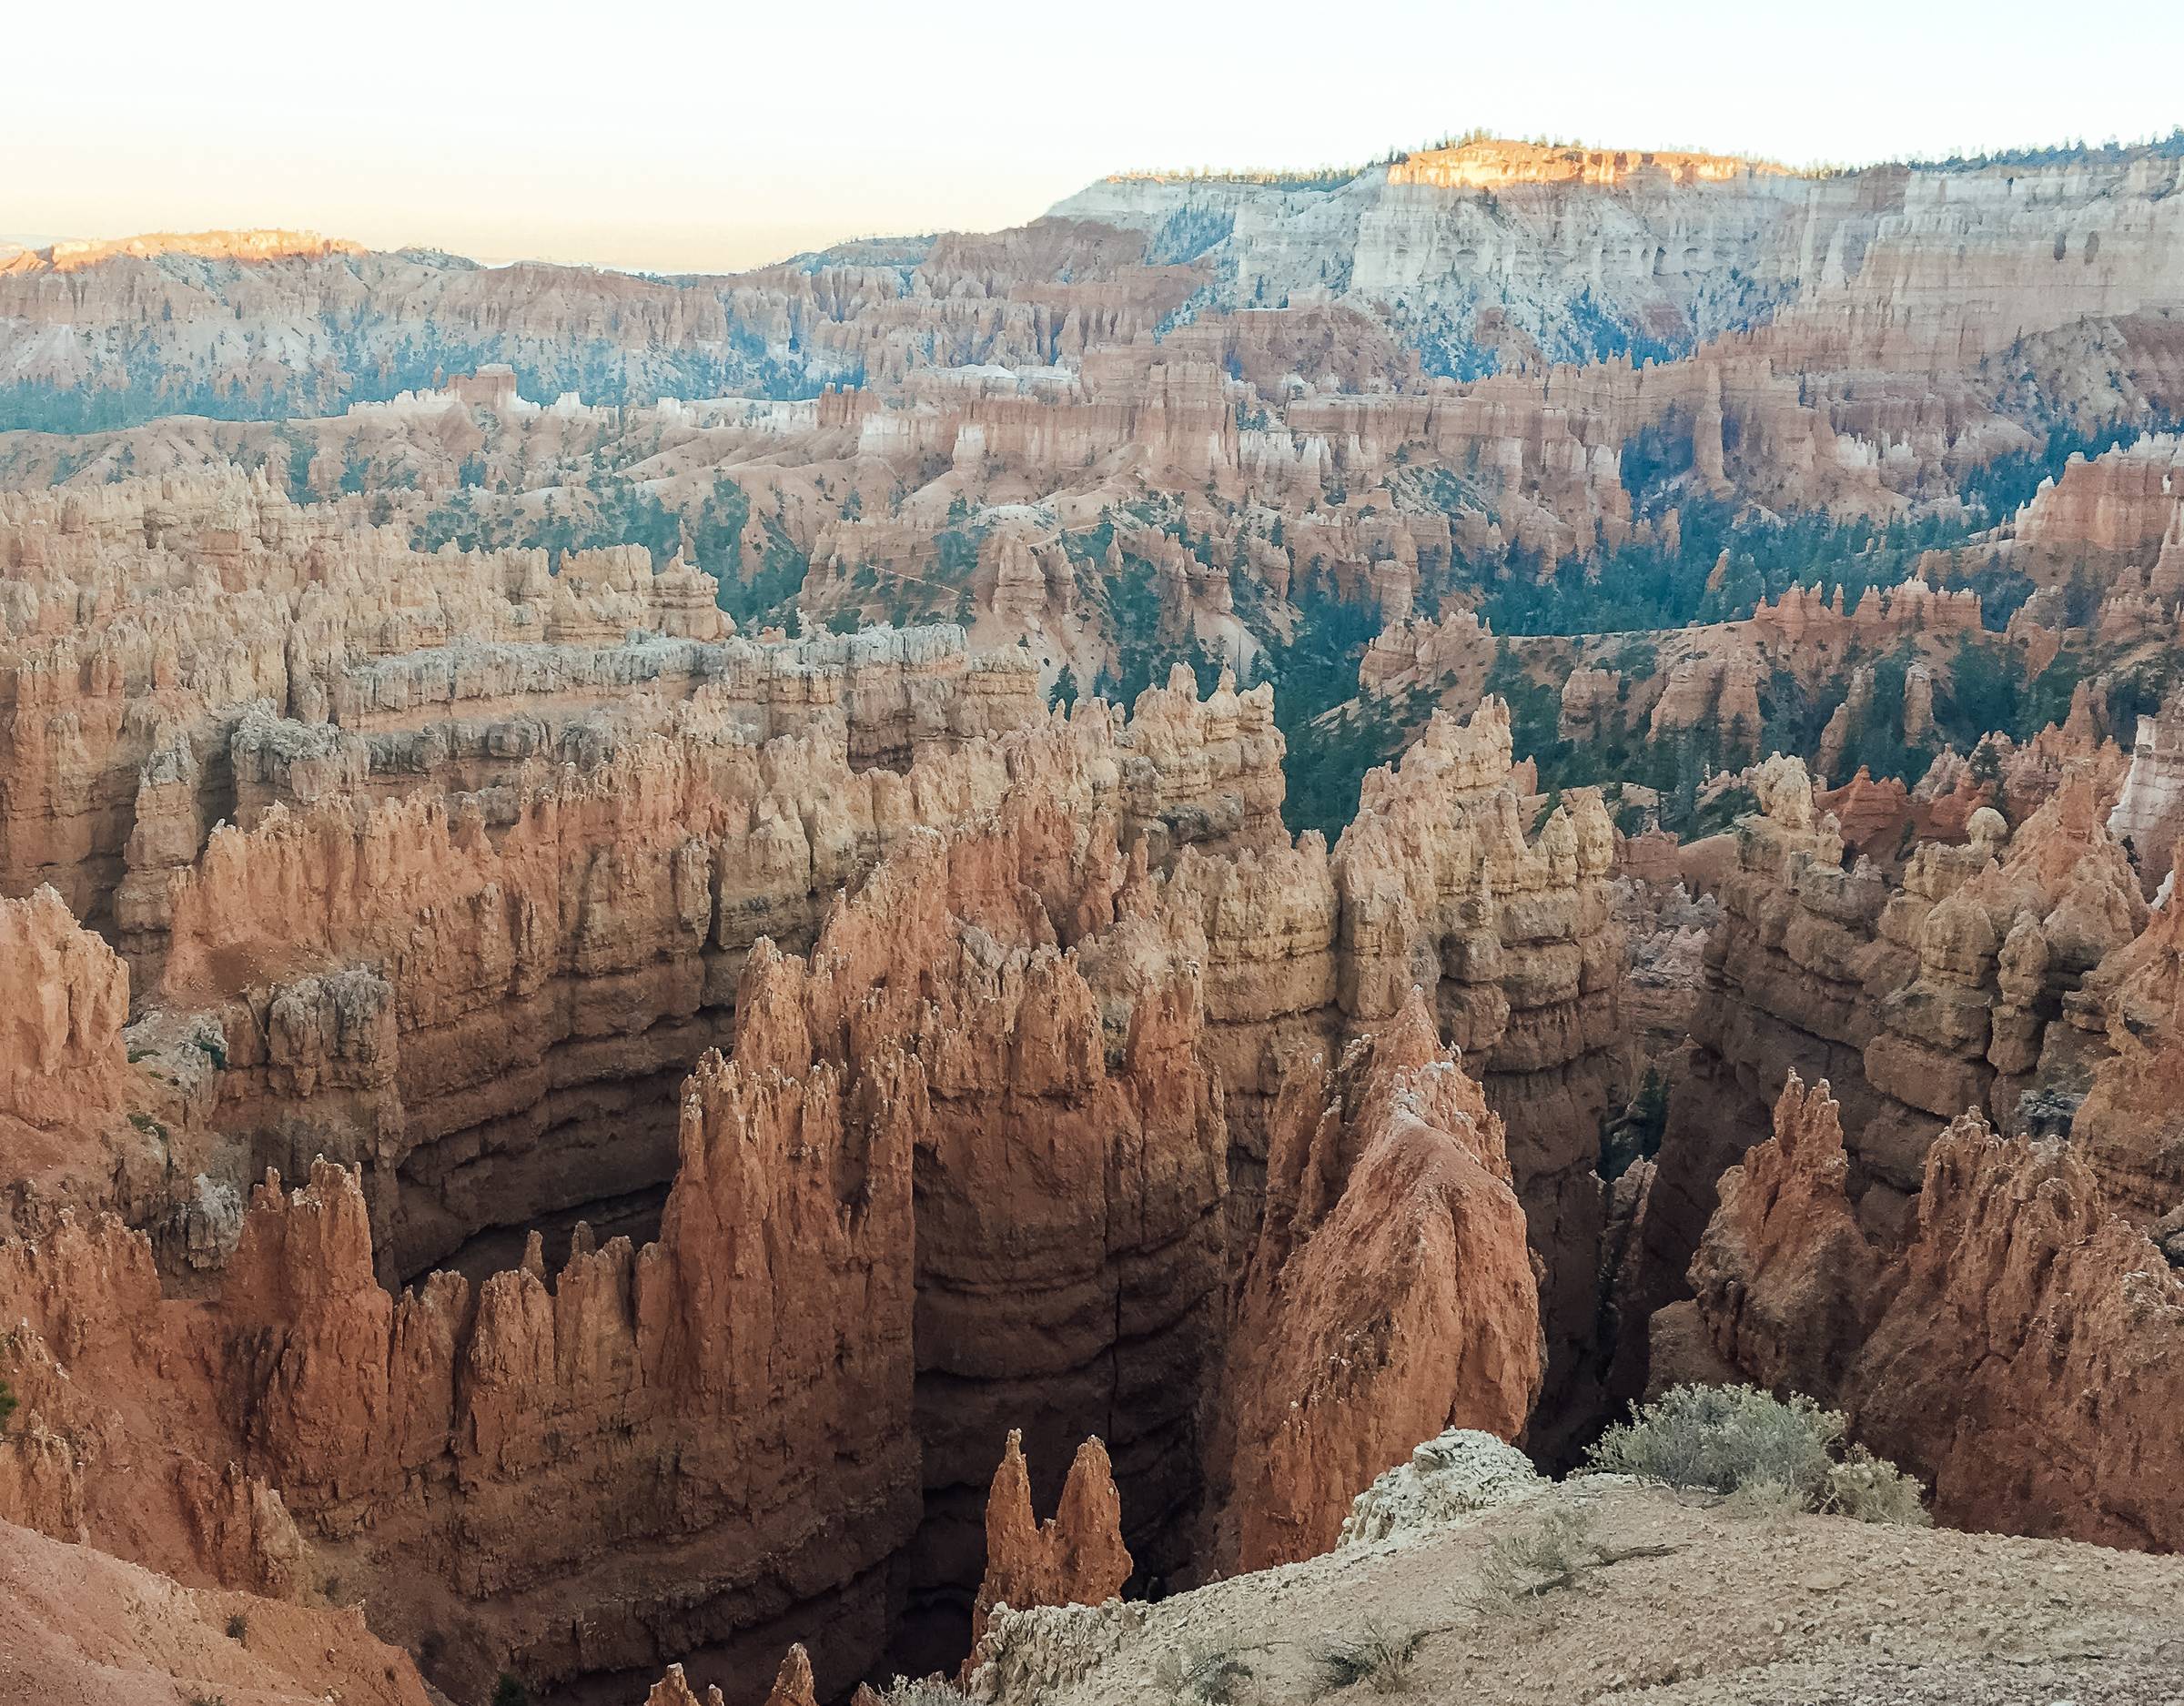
[{"x": 713, "y": 133}]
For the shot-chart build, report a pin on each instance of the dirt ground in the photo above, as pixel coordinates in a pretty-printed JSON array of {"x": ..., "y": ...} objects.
[{"x": 1721, "y": 1604}]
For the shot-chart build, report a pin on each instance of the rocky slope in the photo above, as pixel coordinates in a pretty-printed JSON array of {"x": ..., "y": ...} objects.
[
  {"x": 1707, "y": 1605},
  {"x": 516, "y": 876},
  {"x": 78, "y": 1628},
  {"x": 1435, "y": 886},
  {"x": 637, "y": 1392}
]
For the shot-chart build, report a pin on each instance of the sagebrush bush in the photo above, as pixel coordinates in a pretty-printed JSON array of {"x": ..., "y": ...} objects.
[
  {"x": 1204, "y": 1676},
  {"x": 1379, "y": 1659},
  {"x": 1740, "y": 1439},
  {"x": 924, "y": 1691},
  {"x": 1873, "y": 1489},
  {"x": 1550, "y": 1554}
]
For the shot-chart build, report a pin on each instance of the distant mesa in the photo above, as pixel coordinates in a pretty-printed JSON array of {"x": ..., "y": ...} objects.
[
  {"x": 1493, "y": 164},
  {"x": 76, "y": 252},
  {"x": 1500, "y": 162}
]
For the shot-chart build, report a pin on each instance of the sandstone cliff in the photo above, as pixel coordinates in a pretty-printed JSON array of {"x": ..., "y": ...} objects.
[
  {"x": 1389, "y": 1295},
  {"x": 1974, "y": 983},
  {"x": 501, "y": 1453},
  {"x": 2011, "y": 1349}
]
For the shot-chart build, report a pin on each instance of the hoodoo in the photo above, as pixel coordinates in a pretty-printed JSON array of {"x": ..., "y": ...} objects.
[{"x": 1051, "y": 967}]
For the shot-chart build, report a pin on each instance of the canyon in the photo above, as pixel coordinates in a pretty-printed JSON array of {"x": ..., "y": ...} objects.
[
  {"x": 751, "y": 984},
  {"x": 467, "y": 981}
]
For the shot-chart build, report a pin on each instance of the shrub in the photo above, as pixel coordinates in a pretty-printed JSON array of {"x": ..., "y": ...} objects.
[
  {"x": 509, "y": 1691},
  {"x": 1550, "y": 1554},
  {"x": 7, "y": 1404},
  {"x": 238, "y": 1625},
  {"x": 1873, "y": 1489},
  {"x": 1740, "y": 1439},
  {"x": 924, "y": 1691},
  {"x": 1212, "y": 1676},
  {"x": 1377, "y": 1659},
  {"x": 1767, "y": 1500}
]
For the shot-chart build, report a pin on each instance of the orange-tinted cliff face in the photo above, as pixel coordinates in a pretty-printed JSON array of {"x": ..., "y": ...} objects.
[
  {"x": 594, "y": 1045},
  {"x": 2011, "y": 1348},
  {"x": 965, "y": 1171},
  {"x": 1389, "y": 1295},
  {"x": 638, "y": 1393},
  {"x": 1496, "y": 164}
]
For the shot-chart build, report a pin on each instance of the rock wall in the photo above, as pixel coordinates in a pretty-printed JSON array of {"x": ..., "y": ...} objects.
[
  {"x": 2148, "y": 814},
  {"x": 1963, "y": 986},
  {"x": 1389, "y": 1295},
  {"x": 763, "y": 1415},
  {"x": 187, "y": 650},
  {"x": 2015, "y": 1351},
  {"x": 1435, "y": 886}
]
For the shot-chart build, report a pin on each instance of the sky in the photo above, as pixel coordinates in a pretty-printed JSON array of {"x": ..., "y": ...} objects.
[{"x": 700, "y": 135}]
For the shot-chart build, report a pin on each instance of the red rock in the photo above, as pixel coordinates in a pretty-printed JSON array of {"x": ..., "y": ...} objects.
[
  {"x": 1390, "y": 1294},
  {"x": 1076, "y": 1556},
  {"x": 2016, "y": 1351},
  {"x": 1874, "y": 816},
  {"x": 77, "y": 1625},
  {"x": 792, "y": 1684},
  {"x": 674, "y": 1689}
]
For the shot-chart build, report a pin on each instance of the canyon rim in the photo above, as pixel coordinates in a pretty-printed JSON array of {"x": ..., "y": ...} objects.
[{"x": 952, "y": 970}]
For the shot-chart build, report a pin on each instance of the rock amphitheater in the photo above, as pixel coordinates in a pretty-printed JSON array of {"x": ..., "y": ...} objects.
[{"x": 1044, "y": 964}]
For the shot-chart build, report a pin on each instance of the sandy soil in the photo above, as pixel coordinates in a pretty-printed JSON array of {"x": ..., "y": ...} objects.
[{"x": 80, "y": 1628}]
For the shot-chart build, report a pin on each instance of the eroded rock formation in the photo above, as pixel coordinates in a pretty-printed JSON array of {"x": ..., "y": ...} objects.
[
  {"x": 1076, "y": 1556},
  {"x": 2016, "y": 1349},
  {"x": 1435, "y": 886},
  {"x": 1389, "y": 1295},
  {"x": 1972, "y": 981},
  {"x": 814, "y": 1061},
  {"x": 750, "y": 1386}
]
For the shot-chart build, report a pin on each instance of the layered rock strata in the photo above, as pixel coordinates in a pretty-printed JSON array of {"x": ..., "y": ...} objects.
[
  {"x": 1389, "y": 1295},
  {"x": 1972, "y": 985},
  {"x": 2015, "y": 1349},
  {"x": 571, "y": 1478},
  {"x": 184, "y": 652}
]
